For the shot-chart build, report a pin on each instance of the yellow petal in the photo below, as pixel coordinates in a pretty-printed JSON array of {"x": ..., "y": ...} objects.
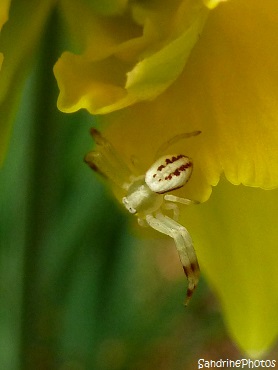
[
  {"x": 133, "y": 58},
  {"x": 237, "y": 90},
  {"x": 235, "y": 235}
]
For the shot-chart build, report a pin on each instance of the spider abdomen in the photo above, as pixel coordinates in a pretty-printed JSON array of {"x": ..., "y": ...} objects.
[{"x": 168, "y": 173}]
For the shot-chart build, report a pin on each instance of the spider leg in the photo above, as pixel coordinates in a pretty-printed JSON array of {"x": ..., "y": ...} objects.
[
  {"x": 175, "y": 199},
  {"x": 184, "y": 246},
  {"x": 106, "y": 161},
  {"x": 175, "y": 140},
  {"x": 173, "y": 207}
]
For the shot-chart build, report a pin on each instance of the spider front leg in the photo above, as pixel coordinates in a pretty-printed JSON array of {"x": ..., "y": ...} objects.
[
  {"x": 184, "y": 246},
  {"x": 105, "y": 160}
]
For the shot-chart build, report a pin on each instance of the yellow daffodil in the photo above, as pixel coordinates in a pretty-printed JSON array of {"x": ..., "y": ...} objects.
[{"x": 176, "y": 67}]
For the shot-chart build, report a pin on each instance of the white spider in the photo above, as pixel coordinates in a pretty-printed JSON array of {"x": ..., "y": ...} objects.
[{"x": 146, "y": 196}]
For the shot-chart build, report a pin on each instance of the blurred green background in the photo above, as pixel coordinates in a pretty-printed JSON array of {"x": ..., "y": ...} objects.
[{"x": 80, "y": 288}]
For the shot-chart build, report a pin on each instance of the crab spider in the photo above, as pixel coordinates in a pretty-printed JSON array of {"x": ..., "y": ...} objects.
[{"x": 148, "y": 195}]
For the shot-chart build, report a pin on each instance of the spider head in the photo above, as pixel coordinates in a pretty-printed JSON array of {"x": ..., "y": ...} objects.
[{"x": 141, "y": 199}]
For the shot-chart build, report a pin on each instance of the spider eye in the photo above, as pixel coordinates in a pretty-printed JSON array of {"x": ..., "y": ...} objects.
[
  {"x": 128, "y": 206},
  {"x": 168, "y": 173}
]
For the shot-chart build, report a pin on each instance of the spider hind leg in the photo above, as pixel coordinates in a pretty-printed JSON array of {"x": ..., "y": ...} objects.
[{"x": 184, "y": 246}]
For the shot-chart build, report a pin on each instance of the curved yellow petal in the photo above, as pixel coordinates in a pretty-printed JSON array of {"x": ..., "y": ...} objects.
[
  {"x": 134, "y": 58},
  {"x": 235, "y": 235}
]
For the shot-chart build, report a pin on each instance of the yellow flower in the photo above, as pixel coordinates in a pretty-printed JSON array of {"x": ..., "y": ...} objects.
[{"x": 141, "y": 57}]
